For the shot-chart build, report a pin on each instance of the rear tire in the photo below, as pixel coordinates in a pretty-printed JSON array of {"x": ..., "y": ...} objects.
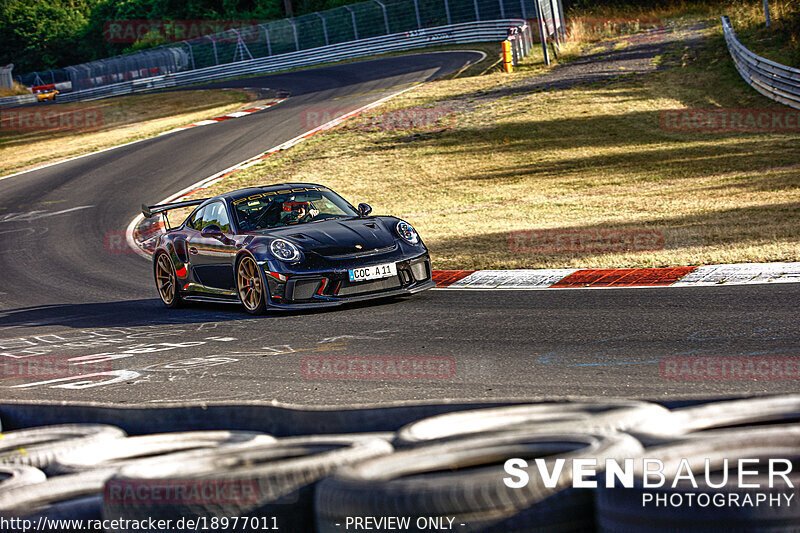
[
  {"x": 167, "y": 281},
  {"x": 250, "y": 286}
]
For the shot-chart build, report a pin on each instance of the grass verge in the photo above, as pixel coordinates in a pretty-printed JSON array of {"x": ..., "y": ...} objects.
[
  {"x": 118, "y": 120},
  {"x": 593, "y": 159}
]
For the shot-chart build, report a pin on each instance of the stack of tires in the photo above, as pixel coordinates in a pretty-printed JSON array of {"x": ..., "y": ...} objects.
[
  {"x": 446, "y": 472},
  {"x": 93, "y": 472}
]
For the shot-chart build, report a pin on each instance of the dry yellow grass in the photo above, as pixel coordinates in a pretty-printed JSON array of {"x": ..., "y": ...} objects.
[
  {"x": 18, "y": 89},
  {"x": 123, "y": 119},
  {"x": 585, "y": 159}
]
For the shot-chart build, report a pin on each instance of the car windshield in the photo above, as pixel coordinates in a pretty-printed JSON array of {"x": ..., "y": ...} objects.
[{"x": 299, "y": 205}]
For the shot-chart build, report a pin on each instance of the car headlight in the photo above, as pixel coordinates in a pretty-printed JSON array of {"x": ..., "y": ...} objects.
[
  {"x": 284, "y": 250},
  {"x": 407, "y": 232}
]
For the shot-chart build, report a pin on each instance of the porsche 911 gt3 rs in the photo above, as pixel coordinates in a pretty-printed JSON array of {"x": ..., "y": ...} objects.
[{"x": 285, "y": 246}]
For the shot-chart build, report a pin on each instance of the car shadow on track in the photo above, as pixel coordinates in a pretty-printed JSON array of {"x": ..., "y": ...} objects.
[{"x": 146, "y": 312}]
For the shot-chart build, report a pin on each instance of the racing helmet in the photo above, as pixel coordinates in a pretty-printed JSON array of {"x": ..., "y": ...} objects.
[{"x": 296, "y": 206}]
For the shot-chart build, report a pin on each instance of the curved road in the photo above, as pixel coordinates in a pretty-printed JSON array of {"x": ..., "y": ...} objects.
[{"x": 69, "y": 294}]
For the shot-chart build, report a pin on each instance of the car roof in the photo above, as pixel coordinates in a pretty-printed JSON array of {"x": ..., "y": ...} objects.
[{"x": 265, "y": 188}]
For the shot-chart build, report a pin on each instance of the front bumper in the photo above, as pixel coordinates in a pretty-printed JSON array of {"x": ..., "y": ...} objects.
[{"x": 329, "y": 289}]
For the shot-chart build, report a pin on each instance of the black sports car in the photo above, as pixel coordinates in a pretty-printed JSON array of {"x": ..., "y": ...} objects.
[{"x": 286, "y": 246}]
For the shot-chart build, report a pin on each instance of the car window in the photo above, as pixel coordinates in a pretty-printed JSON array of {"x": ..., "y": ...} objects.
[
  {"x": 196, "y": 219},
  {"x": 216, "y": 213},
  {"x": 271, "y": 210}
]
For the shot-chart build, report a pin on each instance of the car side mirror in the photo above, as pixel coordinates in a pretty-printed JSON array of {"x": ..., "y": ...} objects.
[
  {"x": 212, "y": 231},
  {"x": 364, "y": 210}
]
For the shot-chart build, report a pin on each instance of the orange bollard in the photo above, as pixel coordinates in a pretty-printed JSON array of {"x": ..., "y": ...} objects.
[{"x": 508, "y": 64}]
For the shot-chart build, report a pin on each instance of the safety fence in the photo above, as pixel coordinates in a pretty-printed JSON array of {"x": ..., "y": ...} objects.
[
  {"x": 360, "y": 22},
  {"x": 607, "y": 465},
  {"x": 496, "y": 30},
  {"x": 775, "y": 81}
]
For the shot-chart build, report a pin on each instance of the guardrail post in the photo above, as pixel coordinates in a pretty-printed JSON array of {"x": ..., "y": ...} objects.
[
  {"x": 216, "y": 57},
  {"x": 529, "y": 38},
  {"x": 353, "y": 18},
  {"x": 385, "y": 16},
  {"x": 554, "y": 13},
  {"x": 266, "y": 38},
  {"x": 241, "y": 48},
  {"x": 542, "y": 32},
  {"x": 563, "y": 22},
  {"x": 294, "y": 28},
  {"x": 324, "y": 28}
]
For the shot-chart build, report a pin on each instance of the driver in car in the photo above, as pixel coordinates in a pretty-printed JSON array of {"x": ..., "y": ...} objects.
[{"x": 297, "y": 212}]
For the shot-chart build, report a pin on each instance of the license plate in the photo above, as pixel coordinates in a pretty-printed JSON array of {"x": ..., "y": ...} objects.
[{"x": 373, "y": 272}]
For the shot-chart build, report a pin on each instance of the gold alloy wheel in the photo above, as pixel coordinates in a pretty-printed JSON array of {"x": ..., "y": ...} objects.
[
  {"x": 165, "y": 279},
  {"x": 248, "y": 281}
]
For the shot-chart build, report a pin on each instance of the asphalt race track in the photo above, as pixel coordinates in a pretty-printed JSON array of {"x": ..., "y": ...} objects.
[{"x": 68, "y": 293}]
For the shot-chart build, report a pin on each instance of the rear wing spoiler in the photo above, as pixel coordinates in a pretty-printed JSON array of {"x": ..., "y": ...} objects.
[{"x": 151, "y": 210}]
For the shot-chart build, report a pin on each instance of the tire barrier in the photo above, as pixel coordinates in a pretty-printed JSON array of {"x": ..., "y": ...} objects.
[
  {"x": 78, "y": 472},
  {"x": 67, "y": 497},
  {"x": 435, "y": 466},
  {"x": 275, "y": 481},
  {"x": 621, "y": 509},
  {"x": 280, "y": 421},
  {"x": 19, "y": 476},
  {"x": 463, "y": 480},
  {"x": 543, "y": 418},
  {"x": 695, "y": 421},
  {"x": 38, "y": 446},
  {"x": 98, "y": 455}
]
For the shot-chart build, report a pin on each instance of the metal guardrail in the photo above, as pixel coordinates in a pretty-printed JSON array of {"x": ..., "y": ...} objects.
[
  {"x": 773, "y": 80},
  {"x": 10, "y": 101},
  {"x": 360, "y": 20},
  {"x": 472, "y": 32}
]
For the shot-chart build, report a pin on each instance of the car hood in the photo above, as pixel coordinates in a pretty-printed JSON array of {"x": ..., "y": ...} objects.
[{"x": 339, "y": 237}]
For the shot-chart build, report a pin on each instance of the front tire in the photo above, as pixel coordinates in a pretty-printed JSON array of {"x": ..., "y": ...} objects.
[
  {"x": 167, "y": 281},
  {"x": 250, "y": 286}
]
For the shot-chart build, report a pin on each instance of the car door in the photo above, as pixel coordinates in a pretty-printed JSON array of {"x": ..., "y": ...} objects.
[{"x": 212, "y": 257}]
